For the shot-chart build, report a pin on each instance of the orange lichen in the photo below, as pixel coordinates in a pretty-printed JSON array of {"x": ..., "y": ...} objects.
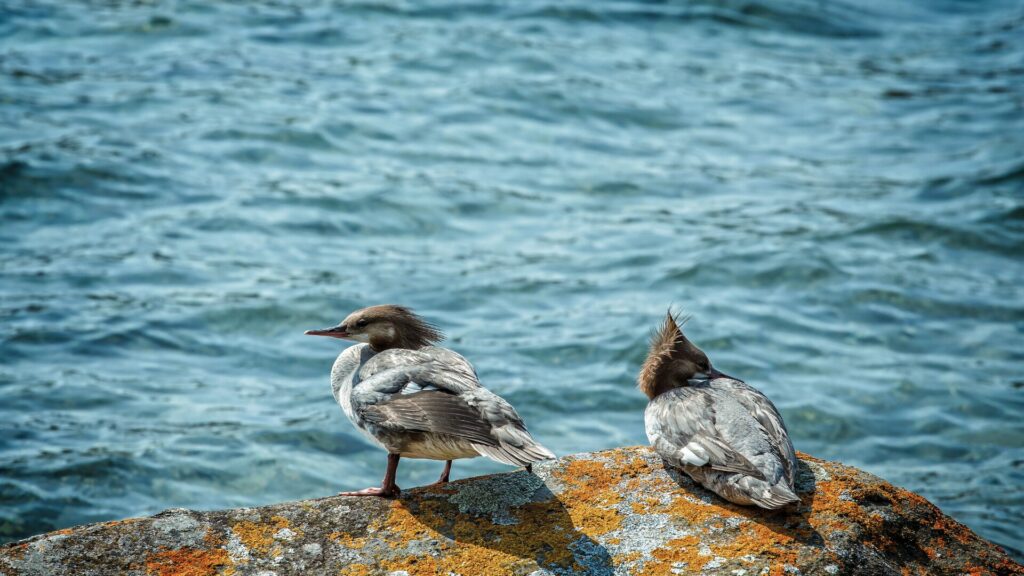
[
  {"x": 833, "y": 507},
  {"x": 258, "y": 537},
  {"x": 402, "y": 521},
  {"x": 776, "y": 538},
  {"x": 680, "y": 550},
  {"x": 757, "y": 540},
  {"x": 751, "y": 539},
  {"x": 347, "y": 540},
  {"x": 698, "y": 513},
  {"x": 675, "y": 554},
  {"x": 592, "y": 491},
  {"x": 628, "y": 557},
  {"x": 477, "y": 545},
  {"x": 189, "y": 562},
  {"x": 541, "y": 534},
  {"x": 768, "y": 539},
  {"x": 956, "y": 530},
  {"x": 644, "y": 504},
  {"x": 808, "y": 458},
  {"x": 355, "y": 570},
  {"x": 15, "y": 552}
]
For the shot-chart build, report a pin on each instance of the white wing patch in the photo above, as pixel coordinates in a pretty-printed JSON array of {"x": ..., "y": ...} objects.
[
  {"x": 694, "y": 454},
  {"x": 413, "y": 387}
]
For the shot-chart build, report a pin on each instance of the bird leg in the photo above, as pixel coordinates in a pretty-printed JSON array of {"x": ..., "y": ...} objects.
[
  {"x": 388, "y": 488},
  {"x": 444, "y": 475}
]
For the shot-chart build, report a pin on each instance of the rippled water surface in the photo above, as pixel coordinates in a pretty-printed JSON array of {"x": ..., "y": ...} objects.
[{"x": 834, "y": 191}]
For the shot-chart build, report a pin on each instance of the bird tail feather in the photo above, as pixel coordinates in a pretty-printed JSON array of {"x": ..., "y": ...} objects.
[
  {"x": 777, "y": 496},
  {"x": 505, "y": 453}
]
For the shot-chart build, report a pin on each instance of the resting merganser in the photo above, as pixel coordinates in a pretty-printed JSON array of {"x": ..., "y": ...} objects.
[
  {"x": 723, "y": 433},
  {"x": 418, "y": 400}
]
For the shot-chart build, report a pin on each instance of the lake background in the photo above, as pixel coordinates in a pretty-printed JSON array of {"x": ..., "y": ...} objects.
[{"x": 833, "y": 190}]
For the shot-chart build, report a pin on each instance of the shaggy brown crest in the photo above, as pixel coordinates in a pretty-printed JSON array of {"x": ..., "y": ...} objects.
[
  {"x": 409, "y": 330},
  {"x": 662, "y": 345},
  {"x": 673, "y": 360}
]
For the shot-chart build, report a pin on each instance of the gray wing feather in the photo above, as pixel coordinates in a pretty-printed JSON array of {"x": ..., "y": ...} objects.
[
  {"x": 448, "y": 357},
  {"x": 402, "y": 358},
  {"x": 434, "y": 389},
  {"x": 515, "y": 456},
  {"x": 448, "y": 399},
  {"x": 766, "y": 414},
  {"x": 725, "y": 459},
  {"x": 428, "y": 375},
  {"x": 390, "y": 360},
  {"x": 432, "y": 411},
  {"x": 453, "y": 379},
  {"x": 688, "y": 415},
  {"x": 514, "y": 445}
]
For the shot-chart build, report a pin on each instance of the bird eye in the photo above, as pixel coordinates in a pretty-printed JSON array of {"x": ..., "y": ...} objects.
[{"x": 361, "y": 323}]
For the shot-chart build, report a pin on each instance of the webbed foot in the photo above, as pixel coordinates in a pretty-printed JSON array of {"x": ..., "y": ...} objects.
[{"x": 390, "y": 492}]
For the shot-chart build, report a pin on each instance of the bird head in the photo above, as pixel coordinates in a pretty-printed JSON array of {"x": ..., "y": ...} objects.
[
  {"x": 673, "y": 361},
  {"x": 384, "y": 326}
]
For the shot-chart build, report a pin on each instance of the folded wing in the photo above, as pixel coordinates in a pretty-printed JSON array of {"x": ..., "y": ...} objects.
[
  {"x": 681, "y": 425},
  {"x": 432, "y": 411},
  {"x": 442, "y": 398},
  {"x": 767, "y": 415}
]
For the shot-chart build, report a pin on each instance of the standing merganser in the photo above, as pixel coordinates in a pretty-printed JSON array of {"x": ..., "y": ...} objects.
[
  {"x": 722, "y": 432},
  {"x": 418, "y": 400}
]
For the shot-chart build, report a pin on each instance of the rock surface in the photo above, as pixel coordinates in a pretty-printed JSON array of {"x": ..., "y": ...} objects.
[{"x": 613, "y": 512}]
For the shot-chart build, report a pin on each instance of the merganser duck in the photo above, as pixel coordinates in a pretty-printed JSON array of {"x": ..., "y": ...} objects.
[
  {"x": 723, "y": 433},
  {"x": 418, "y": 400}
]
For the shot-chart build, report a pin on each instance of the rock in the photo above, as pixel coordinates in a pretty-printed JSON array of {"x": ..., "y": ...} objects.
[{"x": 613, "y": 512}]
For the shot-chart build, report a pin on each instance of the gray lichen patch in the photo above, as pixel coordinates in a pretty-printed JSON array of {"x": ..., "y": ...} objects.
[
  {"x": 237, "y": 551},
  {"x": 177, "y": 528},
  {"x": 808, "y": 474},
  {"x": 496, "y": 495},
  {"x": 643, "y": 534}
]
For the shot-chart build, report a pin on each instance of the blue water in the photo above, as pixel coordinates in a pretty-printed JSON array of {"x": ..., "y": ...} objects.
[{"x": 834, "y": 190}]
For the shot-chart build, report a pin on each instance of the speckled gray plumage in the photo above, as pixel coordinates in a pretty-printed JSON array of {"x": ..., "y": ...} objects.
[
  {"x": 750, "y": 459},
  {"x": 767, "y": 415},
  {"x": 428, "y": 403}
]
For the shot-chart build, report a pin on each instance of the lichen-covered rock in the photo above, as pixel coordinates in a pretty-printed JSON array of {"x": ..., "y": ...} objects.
[{"x": 613, "y": 512}]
